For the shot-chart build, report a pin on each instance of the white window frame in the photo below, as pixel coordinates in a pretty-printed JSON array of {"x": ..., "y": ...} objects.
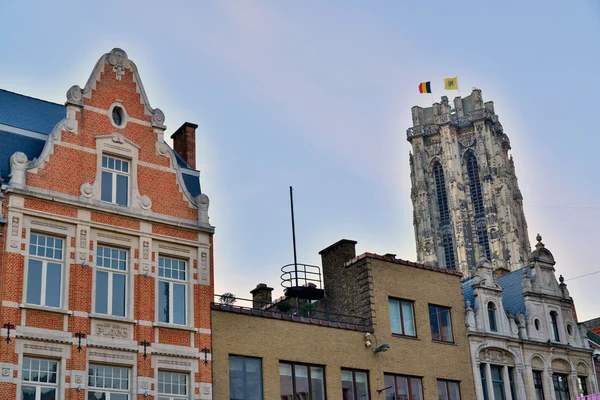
[
  {"x": 116, "y": 172},
  {"x": 38, "y": 385},
  {"x": 171, "y": 283},
  {"x": 170, "y": 396},
  {"x": 107, "y": 390},
  {"x": 111, "y": 272},
  {"x": 45, "y": 260}
]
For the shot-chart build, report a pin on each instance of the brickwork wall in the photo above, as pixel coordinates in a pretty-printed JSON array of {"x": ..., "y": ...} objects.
[{"x": 52, "y": 208}]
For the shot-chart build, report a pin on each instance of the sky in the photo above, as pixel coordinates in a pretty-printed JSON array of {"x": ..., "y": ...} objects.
[{"x": 317, "y": 95}]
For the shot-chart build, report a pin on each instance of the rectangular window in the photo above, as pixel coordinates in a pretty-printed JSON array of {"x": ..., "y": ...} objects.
[
  {"x": 561, "y": 386},
  {"x": 108, "y": 383},
  {"x": 172, "y": 302},
  {"x": 483, "y": 375},
  {"x": 111, "y": 281},
  {"x": 441, "y": 324},
  {"x": 582, "y": 385},
  {"x": 538, "y": 385},
  {"x": 301, "y": 381},
  {"x": 448, "y": 390},
  {"x": 39, "y": 379},
  {"x": 403, "y": 387},
  {"x": 44, "y": 270},
  {"x": 498, "y": 382},
  {"x": 355, "y": 385},
  {"x": 402, "y": 317},
  {"x": 115, "y": 180},
  {"x": 245, "y": 378},
  {"x": 172, "y": 386},
  {"x": 513, "y": 387}
]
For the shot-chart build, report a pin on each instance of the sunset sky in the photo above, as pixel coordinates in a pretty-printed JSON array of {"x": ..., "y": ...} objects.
[{"x": 317, "y": 95}]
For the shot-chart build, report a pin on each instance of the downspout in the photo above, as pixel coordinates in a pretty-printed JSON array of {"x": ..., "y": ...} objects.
[{"x": 3, "y": 221}]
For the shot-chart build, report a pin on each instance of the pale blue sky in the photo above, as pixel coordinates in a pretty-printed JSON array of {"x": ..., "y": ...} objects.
[{"x": 318, "y": 94}]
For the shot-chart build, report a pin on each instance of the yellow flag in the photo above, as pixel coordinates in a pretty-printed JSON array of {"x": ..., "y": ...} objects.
[{"x": 451, "y": 83}]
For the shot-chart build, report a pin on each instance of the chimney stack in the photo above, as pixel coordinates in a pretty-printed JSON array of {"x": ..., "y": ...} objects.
[
  {"x": 261, "y": 296},
  {"x": 184, "y": 142}
]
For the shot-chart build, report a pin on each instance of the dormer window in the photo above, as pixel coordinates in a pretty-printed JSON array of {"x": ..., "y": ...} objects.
[
  {"x": 554, "y": 323},
  {"x": 115, "y": 180},
  {"x": 492, "y": 317}
]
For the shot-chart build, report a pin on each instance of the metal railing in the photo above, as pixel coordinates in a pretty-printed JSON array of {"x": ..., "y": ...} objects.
[
  {"x": 296, "y": 275},
  {"x": 305, "y": 310}
]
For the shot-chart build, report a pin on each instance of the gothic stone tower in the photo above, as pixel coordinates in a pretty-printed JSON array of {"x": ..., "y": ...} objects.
[{"x": 465, "y": 195}]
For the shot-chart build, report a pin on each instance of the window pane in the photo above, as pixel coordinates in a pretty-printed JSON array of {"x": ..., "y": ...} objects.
[
  {"x": 122, "y": 190},
  {"x": 106, "y": 192},
  {"x": 34, "y": 282},
  {"x": 111, "y": 163},
  {"x": 285, "y": 381},
  {"x": 96, "y": 396},
  {"x": 48, "y": 394},
  {"x": 53, "y": 278},
  {"x": 236, "y": 378},
  {"x": 402, "y": 388},
  {"x": 101, "y": 292},
  {"x": 408, "y": 319},
  {"x": 442, "y": 390},
  {"x": 434, "y": 323},
  {"x": 454, "y": 389},
  {"x": 301, "y": 372},
  {"x": 347, "y": 385},
  {"x": 163, "y": 301},
  {"x": 125, "y": 166},
  {"x": 361, "y": 382},
  {"x": 446, "y": 325},
  {"x": 415, "y": 388},
  {"x": 317, "y": 383},
  {"x": 118, "y": 295},
  {"x": 179, "y": 306},
  {"x": 253, "y": 378},
  {"x": 27, "y": 393},
  {"x": 395, "y": 316},
  {"x": 390, "y": 393}
]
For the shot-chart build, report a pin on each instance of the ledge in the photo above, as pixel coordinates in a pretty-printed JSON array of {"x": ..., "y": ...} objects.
[
  {"x": 113, "y": 318},
  {"x": 291, "y": 318},
  {"x": 173, "y": 326},
  {"x": 44, "y": 308}
]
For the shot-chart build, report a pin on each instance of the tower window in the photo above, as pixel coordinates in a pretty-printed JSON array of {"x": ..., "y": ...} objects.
[
  {"x": 442, "y": 201},
  {"x": 477, "y": 200},
  {"x": 492, "y": 317}
]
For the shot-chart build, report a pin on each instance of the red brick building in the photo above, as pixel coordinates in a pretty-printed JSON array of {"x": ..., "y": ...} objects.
[{"x": 106, "y": 272}]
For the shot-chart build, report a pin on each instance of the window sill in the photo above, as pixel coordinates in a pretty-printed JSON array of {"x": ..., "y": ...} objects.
[
  {"x": 113, "y": 318},
  {"x": 442, "y": 342},
  {"x": 174, "y": 326},
  {"x": 44, "y": 308},
  {"x": 405, "y": 336}
]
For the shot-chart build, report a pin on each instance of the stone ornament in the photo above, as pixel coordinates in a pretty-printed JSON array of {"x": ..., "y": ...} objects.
[
  {"x": 145, "y": 202},
  {"x": 18, "y": 165},
  {"x": 75, "y": 95},
  {"x": 87, "y": 190},
  {"x": 5, "y": 371},
  {"x": 15, "y": 226},
  {"x": 118, "y": 138},
  {"x": 118, "y": 59},
  {"x": 146, "y": 250},
  {"x": 83, "y": 239},
  {"x": 112, "y": 330}
]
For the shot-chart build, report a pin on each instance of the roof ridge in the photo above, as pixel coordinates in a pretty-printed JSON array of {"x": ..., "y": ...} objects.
[{"x": 31, "y": 97}]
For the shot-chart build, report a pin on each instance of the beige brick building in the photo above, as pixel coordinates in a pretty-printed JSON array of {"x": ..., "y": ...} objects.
[{"x": 413, "y": 311}]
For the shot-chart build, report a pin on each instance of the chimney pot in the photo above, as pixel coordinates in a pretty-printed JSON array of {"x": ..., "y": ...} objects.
[
  {"x": 261, "y": 296},
  {"x": 184, "y": 143}
]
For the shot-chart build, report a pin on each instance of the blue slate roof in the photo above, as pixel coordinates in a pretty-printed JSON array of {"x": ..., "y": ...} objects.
[
  {"x": 29, "y": 113},
  {"x": 40, "y": 116},
  {"x": 512, "y": 290}
]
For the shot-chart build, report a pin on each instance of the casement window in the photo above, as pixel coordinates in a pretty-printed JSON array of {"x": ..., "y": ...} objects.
[
  {"x": 245, "y": 378},
  {"x": 561, "y": 386},
  {"x": 108, "y": 382},
  {"x": 172, "y": 386},
  {"x": 111, "y": 281},
  {"x": 115, "y": 180},
  {"x": 554, "y": 323},
  {"x": 538, "y": 385},
  {"x": 301, "y": 381},
  {"x": 172, "y": 304},
  {"x": 39, "y": 379},
  {"x": 582, "y": 386},
  {"x": 498, "y": 382},
  {"x": 45, "y": 270},
  {"x": 355, "y": 385},
  {"x": 491, "y": 307},
  {"x": 440, "y": 320},
  {"x": 402, "y": 317},
  {"x": 403, "y": 387},
  {"x": 448, "y": 390}
]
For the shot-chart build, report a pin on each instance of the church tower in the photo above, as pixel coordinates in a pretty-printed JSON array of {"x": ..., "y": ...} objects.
[{"x": 465, "y": 195}]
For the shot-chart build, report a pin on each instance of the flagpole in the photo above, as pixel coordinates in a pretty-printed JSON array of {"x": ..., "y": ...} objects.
[{"x": 458, "y": 88}]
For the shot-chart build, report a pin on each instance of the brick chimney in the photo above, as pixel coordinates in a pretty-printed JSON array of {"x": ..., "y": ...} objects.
[
  {"x": 184, "y": 142},
  {"x": 261, "y": 296}
]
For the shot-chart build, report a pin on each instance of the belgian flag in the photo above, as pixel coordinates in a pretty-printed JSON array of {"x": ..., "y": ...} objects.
[{"x": 425, "y": 87}]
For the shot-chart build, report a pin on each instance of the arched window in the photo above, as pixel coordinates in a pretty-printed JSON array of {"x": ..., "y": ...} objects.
[
  {"x": 492, "y": 316},
  {"x": 554, "y": 322},
  {"x": 477, "y": 200},
  {"x": 442, "y": 202}
]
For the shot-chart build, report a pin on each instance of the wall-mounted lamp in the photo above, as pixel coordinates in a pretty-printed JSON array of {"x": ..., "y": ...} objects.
[
  {"x": 382, "y": 348},
  {"x": 8, "y": 327},
  {"x": 145, "y": 343},
  {"x": 205, "y": 351},
  {"x": 80, "y": 336}
]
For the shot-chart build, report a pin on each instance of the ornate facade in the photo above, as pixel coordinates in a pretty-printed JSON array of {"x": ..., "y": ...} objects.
[
  {"x": 106, "y": 273},
  {"x": 465, "y": 195},
  {"x": 524, "y": 338}
]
